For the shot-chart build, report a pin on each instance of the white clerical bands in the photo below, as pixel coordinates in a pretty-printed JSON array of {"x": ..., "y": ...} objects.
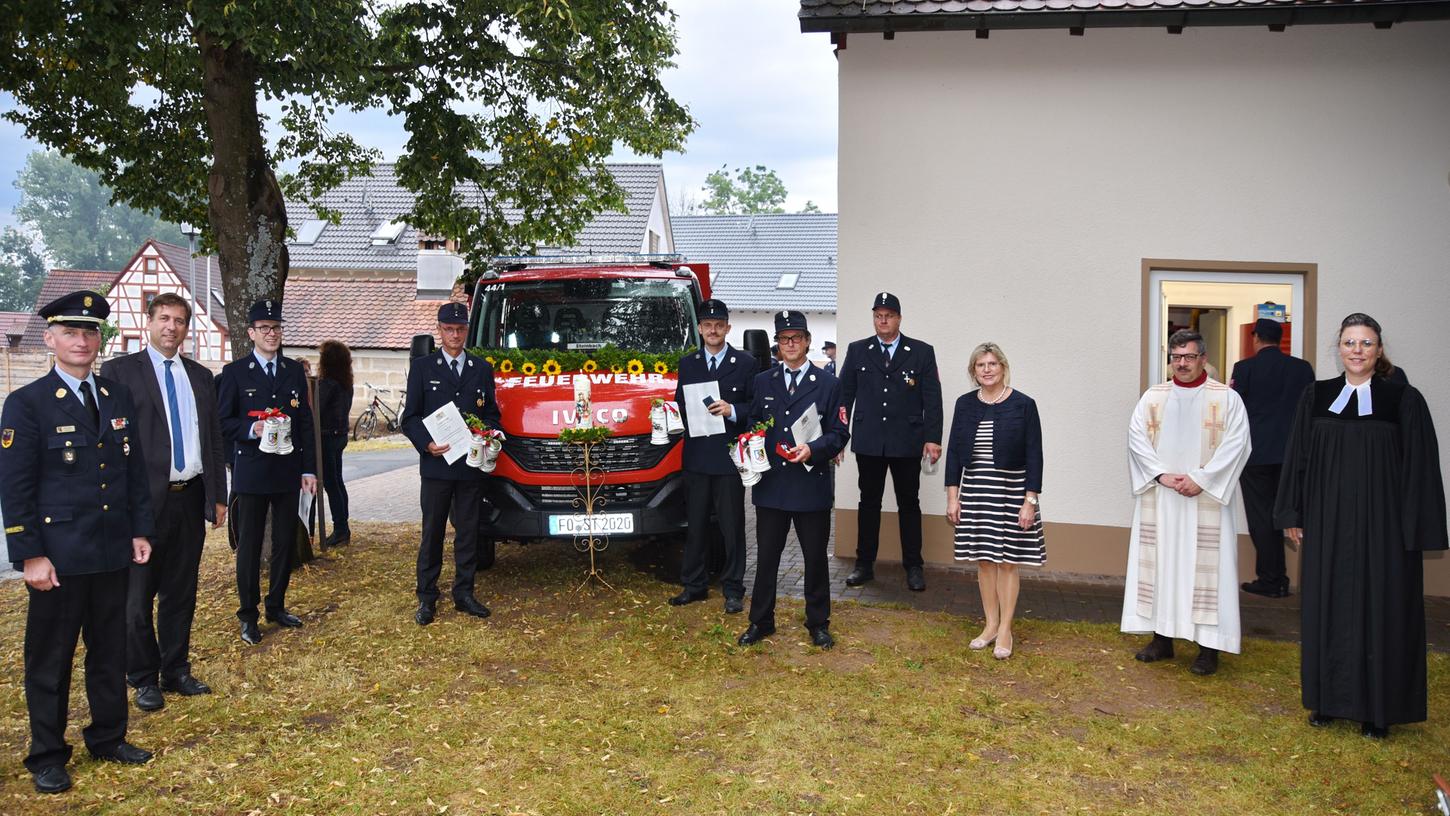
[{"x": 1366, "y": 407}]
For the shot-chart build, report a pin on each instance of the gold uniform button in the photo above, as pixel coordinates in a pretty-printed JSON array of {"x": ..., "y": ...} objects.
[
  {"x": 100, "y": 444},
  {"x": 47, "y": 519},
  {"x": 103, "y": 485},
  {"x": 105, "y": 507},
  {"x": 103, "y": 466}
]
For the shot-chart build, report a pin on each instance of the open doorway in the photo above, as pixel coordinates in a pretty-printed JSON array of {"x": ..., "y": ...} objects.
[{"x": 1221, "y": 301}]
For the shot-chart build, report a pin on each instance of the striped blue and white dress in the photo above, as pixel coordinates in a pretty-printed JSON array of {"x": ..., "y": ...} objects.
[{"x": 990, "y": 499}]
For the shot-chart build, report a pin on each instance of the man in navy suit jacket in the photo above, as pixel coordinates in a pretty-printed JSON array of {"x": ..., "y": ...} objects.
[
  {"x": 449, "y": 374},
  {"x": 1270, "y": 384},
  {"x": 711, "y": 481},
  {"x": 799, "y": 487},
  {"x": 261, "y": 481}
]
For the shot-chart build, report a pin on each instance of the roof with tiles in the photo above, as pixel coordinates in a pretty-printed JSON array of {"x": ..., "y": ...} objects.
[
  {"x": 749, "y": 254},
  {"x": 59, "y": 282},
  {"x": 13, "y": 323},
  {"x": 369, "y": 313},
  {"x": 367, "y": 202},
  {"x": 908, "y": 15}
]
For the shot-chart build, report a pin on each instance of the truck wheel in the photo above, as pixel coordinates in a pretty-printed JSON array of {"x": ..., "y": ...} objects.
[{"x": 487, "y": 552}]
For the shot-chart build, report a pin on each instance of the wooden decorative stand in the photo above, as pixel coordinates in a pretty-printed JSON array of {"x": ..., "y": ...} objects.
[{"x": 588, "y": 478}]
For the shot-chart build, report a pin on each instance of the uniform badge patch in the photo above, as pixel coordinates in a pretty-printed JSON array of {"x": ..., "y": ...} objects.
[
  {"x": 19, "y": 528},
  {"x": 295, "y": 403},
  {"x": 126, "y": 449},
  {"x": 480, "y": 403},
  {"x": 87, "y": 301},
  {"x": 65, "y": 429},
  {"x": 118, "y": 424},
  {"x": 7, "y": 437},
  {"x": 104, "y": 392},
  {"x": 60, "y": 393},
  {"x": 68, "y": 456}
]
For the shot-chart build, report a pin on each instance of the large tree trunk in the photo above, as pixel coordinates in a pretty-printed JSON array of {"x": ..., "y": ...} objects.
[{"x": 248, "y": 215}]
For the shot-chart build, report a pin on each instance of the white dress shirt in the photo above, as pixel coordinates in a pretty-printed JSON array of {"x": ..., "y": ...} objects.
[{"x": 186, "y": 405}]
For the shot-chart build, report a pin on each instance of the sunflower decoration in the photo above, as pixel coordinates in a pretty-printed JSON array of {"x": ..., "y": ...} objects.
[
  {"x": 636, "y": 367},
  {"x": 617, "y": 368},
  {"x": 505, "y": 366},
  {"x": 528, "y": 369},
  {"x": 551, "y": 366},
  {"x": 590, "y": 367},
  {"x": 662, "y": 367}
]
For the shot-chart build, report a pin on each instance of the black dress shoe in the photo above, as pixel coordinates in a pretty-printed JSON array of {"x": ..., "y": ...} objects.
[
  {"x": 1320, "y": 720},
  {"x": 251, "y": 635},
  {"x": 734, "y": 606},
  {"x": 859, "y": 576},
  {"x": 284, "y": 618},
  {"x": 754, "y": 634},
  {"x": 424, "y": 614},
  {"x": 1159, "y": 648},
  {"x": 688, "y": 597},
  {"x": 915, "y": 579},
  {"x": 821, "y": 637},
  {"x": 1206, "y": 663},
  {"x": 1266, "y": 588},
  {"x": 1374, "y": 732},
  {"x": 471, "y": 605},
  {"x": 52, "y": 780},
  {"x": 125, "y": 753},
  {"x": 148, "y": 698},
  {"x": 186, "y": 686}
]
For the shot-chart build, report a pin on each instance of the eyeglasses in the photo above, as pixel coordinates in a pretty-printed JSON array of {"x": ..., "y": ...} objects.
[
  {"x": 791, "y": 339},
  {"x": 1351, "y": 345},
  {"x": 1185, "y": 358},
  {"x": 267, "y": 329}
]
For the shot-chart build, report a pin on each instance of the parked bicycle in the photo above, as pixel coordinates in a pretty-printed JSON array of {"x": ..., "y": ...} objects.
[{"x": 377, "y": 412}]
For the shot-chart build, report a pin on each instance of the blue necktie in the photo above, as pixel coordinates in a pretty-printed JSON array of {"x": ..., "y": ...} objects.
[{"x": 178, "y": 445}]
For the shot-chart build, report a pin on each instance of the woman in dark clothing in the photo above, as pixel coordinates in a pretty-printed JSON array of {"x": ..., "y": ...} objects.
[
  {"x": 334, "y": 403},
  {"x": 1361, "y": 493},
  {"x": 993, "y": 478}
]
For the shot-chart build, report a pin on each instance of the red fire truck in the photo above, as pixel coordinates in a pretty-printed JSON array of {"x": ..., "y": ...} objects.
[{"x": 640, "y": 304}]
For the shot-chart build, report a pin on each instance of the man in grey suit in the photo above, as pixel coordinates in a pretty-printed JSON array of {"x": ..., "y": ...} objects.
[{"x": 176, "y": 419}]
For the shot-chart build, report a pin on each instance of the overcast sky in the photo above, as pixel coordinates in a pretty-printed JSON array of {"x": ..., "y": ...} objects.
[{"x": 761, "y": 91}]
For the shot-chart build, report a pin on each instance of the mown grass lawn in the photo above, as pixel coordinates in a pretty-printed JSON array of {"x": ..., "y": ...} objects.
[{"x": 616, "y": 703}]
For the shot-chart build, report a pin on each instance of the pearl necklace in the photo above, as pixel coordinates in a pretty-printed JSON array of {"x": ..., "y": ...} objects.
[{"x": 999, "y": 398}]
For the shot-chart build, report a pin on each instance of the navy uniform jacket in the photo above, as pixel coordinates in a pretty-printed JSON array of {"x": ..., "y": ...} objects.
[
  {"x": 787, "y": 485},
  {"x": 896, "y": 409},
  {"x": 1270, "y": 383},
  {"x": 736, "y": 374},
  {"x": 243, "y": 387},
  {"x": 69, "y": 492},
  {"x": 431, "y": 384}
]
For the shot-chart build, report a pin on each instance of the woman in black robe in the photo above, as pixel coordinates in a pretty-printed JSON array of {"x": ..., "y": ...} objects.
[{"x": 1361, "y": 489}]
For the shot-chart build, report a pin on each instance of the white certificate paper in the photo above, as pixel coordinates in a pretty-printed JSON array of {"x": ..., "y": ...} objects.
[
  {"x": 807, "y": 429},
  {"x": 447, "y": 427},
  {"x": 699, "y": 420}
]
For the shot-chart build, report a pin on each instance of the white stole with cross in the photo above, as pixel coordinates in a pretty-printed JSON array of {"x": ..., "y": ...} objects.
[{"x": 1223, "y": 452}]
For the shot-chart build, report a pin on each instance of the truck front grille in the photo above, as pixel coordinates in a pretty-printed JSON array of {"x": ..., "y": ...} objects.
[
  {"x": 562, "y": 497},
  {"x": 544, "y": 455}
]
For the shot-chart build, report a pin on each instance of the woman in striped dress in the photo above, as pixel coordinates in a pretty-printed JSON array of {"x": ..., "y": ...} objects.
[{"x": 993, "y": 477}]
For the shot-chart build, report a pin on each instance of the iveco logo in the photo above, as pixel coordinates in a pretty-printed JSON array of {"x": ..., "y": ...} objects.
[{"x": 602, "y": 416}]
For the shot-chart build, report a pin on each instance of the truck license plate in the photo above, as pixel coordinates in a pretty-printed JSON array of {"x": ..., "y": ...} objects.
[{"x": 599, "y": 524}]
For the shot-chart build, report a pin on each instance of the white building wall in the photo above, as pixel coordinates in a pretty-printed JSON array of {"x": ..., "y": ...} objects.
[
  {"x": 659, "y": 223},
  {"x": 1025, "y": 177}
]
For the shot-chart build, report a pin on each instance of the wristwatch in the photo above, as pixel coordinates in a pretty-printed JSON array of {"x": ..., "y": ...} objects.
[{"x": 1032, "y": 500}]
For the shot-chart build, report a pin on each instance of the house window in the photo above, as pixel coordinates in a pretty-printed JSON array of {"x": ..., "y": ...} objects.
[
  {"x": 787, "y": 280},
  {"x": 654, "y": 243},
  {"x": 148, "y": 295},
  {"x": 308, "y": 233},
  {"x": 133, "y": 343},
  {"x": 387, "y": 233}
]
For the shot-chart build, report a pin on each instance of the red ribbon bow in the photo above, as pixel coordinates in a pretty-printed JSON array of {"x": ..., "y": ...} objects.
[{"x": 270, "y": 413}]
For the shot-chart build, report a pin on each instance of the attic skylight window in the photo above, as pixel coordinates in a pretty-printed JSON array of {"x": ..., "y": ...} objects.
[
  {"x": 787, "y": 280},
  {"x": 388, "y": 233},
  {"x": 309, "y": 231}
]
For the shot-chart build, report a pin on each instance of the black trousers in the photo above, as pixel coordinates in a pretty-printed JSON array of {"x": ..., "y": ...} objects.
[
  {"x": 92, "y": 607},
  {"x": 163, "y": 649},
  {"x": 1260, "y": 486},
  {"x": 813, "y": 528},
  {"x": 906, "y": 479},
  {"x": 332, "y": 445},
  {"x": 438, "y": 497},
  {"x": 725, "y": 494},
  {"x": 251, "y": 510}
]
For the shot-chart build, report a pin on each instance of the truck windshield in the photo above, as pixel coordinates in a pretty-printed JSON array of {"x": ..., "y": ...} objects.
[{"x": 654, "y": 316}]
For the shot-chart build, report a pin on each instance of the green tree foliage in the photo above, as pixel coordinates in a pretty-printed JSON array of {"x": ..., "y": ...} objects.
[
  {"x": 752, "y": 190},
  {"x": 76, "y": 218},
  {"x": 525, "y": 99},
  {"x": 810, "y": 207},
  {"x": 22, "y": 271}
]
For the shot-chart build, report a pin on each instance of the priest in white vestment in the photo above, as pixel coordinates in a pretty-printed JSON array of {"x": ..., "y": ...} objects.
[{"x": 1187, "y": 444}]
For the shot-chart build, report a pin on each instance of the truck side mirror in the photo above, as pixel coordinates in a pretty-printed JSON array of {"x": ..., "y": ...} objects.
[
  {"x": 423, "y": 344},
  {"x": 757, "y": 345}
]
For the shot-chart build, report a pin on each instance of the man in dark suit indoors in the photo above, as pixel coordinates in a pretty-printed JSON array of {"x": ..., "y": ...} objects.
[
  {"x": 1270, "y": 384},
  {"x": 711, "y": 481},
  {"x": 176, "y": 421},
  {"x": 77, "y": 515},
  {"x": 261, "y": 481}
]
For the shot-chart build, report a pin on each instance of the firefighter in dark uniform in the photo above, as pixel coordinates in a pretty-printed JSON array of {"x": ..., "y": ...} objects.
[
  {"x": 798, "y": 488},
  {"x": 892, "y": 391},
  {"x": 449, "y": 374},
  {"x": 77, "y": 515},
  {"x": 246, "y": 388},
  {"x": 711, "y": 481}
]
